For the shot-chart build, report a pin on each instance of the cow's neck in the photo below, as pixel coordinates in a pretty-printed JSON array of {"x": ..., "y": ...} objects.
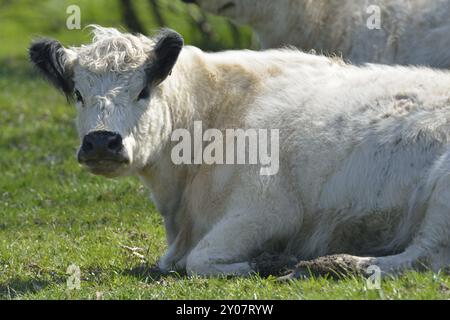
[
  {"x": 209, "y": 88},
  {"x": 199, "y": 89}
]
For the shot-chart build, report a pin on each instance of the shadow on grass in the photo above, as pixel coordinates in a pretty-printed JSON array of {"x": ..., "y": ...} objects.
[
  {"x": 17, "y": 287},
  {"x": 151, "y": 273},
  {"x": 266, "y": 266}
]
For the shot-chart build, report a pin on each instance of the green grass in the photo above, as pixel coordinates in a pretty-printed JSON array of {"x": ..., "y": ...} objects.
[{"x": 54, "y": 214}]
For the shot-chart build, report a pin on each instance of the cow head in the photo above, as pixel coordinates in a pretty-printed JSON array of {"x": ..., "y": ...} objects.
[{"x": 114, "y": 81}]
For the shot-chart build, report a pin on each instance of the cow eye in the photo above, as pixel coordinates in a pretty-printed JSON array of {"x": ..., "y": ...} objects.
[
  {"x": 145, "y": 93},
  {"x": 78, "y": 96}
]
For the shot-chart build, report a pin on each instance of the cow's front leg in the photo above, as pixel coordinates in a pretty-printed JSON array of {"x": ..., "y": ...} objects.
[
  {"x": 226, "y": 249},
  {"x": 229, "y": 246}
]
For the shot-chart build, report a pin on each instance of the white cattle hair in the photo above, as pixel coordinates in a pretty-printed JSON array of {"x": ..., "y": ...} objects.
[
  {"x": 113, "y": 51},
  {"x": 364, "y": 154},
  {"x": 412, "y": 32}
]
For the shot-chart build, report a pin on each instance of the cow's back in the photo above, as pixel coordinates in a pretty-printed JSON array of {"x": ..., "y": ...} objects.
[{"x": 360, "y": 142}]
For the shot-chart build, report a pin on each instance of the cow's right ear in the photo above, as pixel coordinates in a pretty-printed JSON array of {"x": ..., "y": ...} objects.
[
  {"x": 51, "y": 59},
  {"x": 166, "y": 51}
]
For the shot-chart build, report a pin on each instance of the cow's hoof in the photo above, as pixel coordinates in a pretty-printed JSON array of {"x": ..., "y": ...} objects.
[
  {"x": 296, "y": 274},
  {"x": 268, "y": 264},
  {"x": 335, "y": 266}
]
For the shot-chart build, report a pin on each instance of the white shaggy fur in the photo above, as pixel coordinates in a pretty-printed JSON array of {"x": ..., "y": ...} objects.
[
  {"x": 113, "y": 51},
  {"x": 364, "y": 154},
  {"x": 413, "y": 32}
]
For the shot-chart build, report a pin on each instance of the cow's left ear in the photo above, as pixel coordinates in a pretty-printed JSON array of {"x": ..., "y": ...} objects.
[
  {"x": 52, "y": 60},
  {"x": 165, "y": 54}
]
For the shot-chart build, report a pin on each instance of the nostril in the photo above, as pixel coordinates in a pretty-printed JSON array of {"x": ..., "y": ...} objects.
[
  {"x": 115, "y": 144},
  {"x": 88, "y": 146}
]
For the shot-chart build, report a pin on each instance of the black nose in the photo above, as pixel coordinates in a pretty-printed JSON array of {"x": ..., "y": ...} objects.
[
  {"x": 189, "y": 1},
  {"x": 101, "y": 145}
]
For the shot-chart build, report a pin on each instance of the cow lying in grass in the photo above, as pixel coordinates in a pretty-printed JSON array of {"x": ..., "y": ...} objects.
[
  {"x": 413, "y": 32},
  {"x": 364, "y": 151}
]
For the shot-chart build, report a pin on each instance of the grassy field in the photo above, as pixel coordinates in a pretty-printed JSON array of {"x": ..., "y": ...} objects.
[{"x": 53, "y": 214}]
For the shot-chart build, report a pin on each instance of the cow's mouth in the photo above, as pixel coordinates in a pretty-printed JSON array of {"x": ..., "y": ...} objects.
[
  {"x": 105, "y": 167},
  {"x": 226, "y": 7}
]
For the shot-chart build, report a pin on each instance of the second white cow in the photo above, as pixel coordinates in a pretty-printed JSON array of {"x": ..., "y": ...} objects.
[{"x": 412, "y": 32}]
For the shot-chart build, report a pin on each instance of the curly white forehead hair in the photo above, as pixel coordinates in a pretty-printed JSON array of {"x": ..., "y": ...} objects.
[{"x": 112, "y": 50}]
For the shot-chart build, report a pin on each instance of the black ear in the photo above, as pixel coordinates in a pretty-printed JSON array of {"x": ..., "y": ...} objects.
[
  {"x": 50, "y": 58},
  {"x": 167, "y": 48}
]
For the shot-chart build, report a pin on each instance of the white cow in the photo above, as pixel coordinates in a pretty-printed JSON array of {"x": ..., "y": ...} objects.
[
  {"x": 364, "y": 151},
  {"x": 411, "y": 32}
]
